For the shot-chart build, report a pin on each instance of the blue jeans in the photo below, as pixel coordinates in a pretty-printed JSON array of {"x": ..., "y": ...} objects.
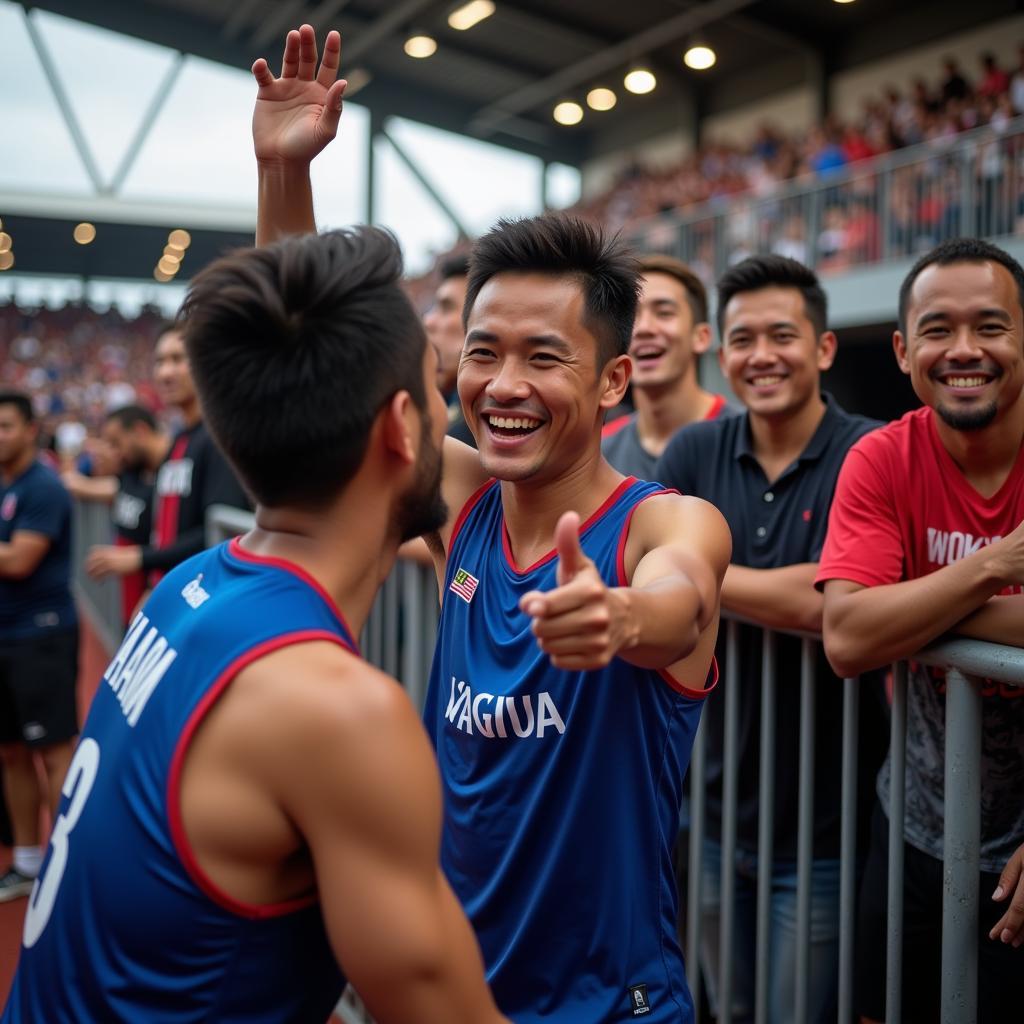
[{"x": 824, "y": 959}]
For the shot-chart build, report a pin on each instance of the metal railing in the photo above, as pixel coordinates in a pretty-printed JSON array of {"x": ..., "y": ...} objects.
[{"x": 887, "y": 207}]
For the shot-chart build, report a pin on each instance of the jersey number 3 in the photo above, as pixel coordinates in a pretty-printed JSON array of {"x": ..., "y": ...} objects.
[{"x": 77, "y": 787}]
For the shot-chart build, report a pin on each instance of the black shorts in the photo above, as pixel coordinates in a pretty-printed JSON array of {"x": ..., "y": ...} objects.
[
  {"x": 1000, "y": 967},
  {"x": 38, "y": 678}
]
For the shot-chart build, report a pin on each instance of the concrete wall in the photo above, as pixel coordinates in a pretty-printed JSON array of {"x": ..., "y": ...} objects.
[{"x": 792, "y": 111}]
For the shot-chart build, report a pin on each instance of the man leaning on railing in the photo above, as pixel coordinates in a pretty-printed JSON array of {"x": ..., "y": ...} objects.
[{"x": 925, "y": 536}]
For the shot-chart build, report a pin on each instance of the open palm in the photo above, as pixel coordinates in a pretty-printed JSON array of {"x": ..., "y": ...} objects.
[{"x": 297, "y": 114}]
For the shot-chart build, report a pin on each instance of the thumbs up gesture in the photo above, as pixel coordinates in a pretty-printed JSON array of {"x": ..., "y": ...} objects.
[{"x": 582, "y": 623}]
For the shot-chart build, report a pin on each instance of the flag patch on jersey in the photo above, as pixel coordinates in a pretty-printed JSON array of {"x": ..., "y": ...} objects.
[{"x": 464, "y": 585}]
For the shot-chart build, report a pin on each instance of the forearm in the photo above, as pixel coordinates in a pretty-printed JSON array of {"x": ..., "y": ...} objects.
[
  {"x": 878, "y": 625},
  {"x": 12, "y": 562},
  {"x": 85, "y": 488},
  {"x": 285, "y": 202},
  {"x": 781, "y": 598},
  {"x": 664, "y": 619},
  {"x": 188, "y": 543},
  {"x": 999, "y": 621}
]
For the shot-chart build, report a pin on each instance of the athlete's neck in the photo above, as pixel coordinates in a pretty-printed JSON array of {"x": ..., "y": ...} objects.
[
  {"x": 986, "y": 457},
  {"x": 663, "y": 409},
  {"x": 533, "y": 508},
  {"x": 13, "y": 469},
  {"x": 779, "y": 440}
]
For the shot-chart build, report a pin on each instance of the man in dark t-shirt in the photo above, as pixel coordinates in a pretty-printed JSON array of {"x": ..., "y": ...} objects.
[
  {"x": 38, "y": 635},
  {"x": 193, "y": 476},
  {"x": 771, "y": 473}
]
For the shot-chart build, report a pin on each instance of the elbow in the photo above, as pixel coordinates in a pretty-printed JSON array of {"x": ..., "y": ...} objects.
[{"x": 846, "y": 657}]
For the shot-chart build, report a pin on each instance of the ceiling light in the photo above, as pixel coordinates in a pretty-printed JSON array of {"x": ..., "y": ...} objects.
[
  {"x": 161, "y": 275},
  {"x": 6, "y": 260},
  {"x": 843, "y": 1},
  {"x": 357, "y": 78},
  {"x": 640, "y": 81},
  {"x": 168, "y": 266},
  {"x": 5, "y": 242},
  {"x": 172, "y": 254},
  {"x": 420, "y": 46},
  {"x": 700, "y": 57},
  {"x": 470, "y": 14},
  {"x": 84, "y": 233},
  {"x": 601, "y": 99},
  {"x": 179, "y": 239},
  {"x": 568, "y": 112}
]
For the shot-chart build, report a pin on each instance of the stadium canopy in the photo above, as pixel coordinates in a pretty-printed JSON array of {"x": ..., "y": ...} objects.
[{"x": 497, "y": 81}]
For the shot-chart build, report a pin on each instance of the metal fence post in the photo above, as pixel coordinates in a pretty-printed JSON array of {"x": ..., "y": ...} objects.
[
  {"x": 848, "y": 847},
  {"x": 696, "y": 863},
  {"x": 730, "y": 783},
  {"x": 765, "y": 827},
  {"x": 805, "y": 830},
  {"x": 960, "y": 854},
  {"x": 897, "y": 804}
]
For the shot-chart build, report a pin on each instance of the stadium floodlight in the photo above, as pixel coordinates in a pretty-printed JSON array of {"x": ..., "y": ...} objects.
[
  {"x": 5, "y": 242},
  {"x": 84, "y": 233},
  {"x": 161, "y": 275},
  {"x": 420, "y": 46},
  {"x": 6, "y": 259},
  {"x": 601, "y": 99},
  {"x": 179, "y": 238},
  {"x": 468, "y": 15},
  {"x": 568, "y": 112},
  {"x": 700, "y": 57},
  {"x": 640, "y": 81}
]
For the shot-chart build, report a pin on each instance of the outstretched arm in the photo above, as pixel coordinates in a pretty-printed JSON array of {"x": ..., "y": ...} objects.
[
  {"x": 295, "y": 116},
  {"x": 676, "y": 555}
]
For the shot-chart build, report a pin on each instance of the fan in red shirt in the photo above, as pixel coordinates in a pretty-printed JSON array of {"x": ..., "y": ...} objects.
[{"x": 926, "y": 536}]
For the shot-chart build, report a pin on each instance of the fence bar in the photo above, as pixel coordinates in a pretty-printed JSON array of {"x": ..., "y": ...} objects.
[
  {"x": 848, "y": 847},
  {"x": 730, "y": 781},
  {"x": 698, "y": 760},
  {"x": 897, "y": 804},
  {"x": 805, "y": 829},
  {"x": 413, "y": 666},
  {"x": 960, "y": 850},
  {"x": 389, "y": 631},
  {"x": 765, "y": 827}
]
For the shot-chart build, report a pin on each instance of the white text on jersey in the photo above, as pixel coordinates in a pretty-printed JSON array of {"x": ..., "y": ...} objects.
[
  {"x": 491, "y": 716},
  {"x": 141, "y": 662}
]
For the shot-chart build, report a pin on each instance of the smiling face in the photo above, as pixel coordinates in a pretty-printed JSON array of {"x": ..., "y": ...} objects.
[
  {"x": 771, "y": 352},
  {"x": 963, "y": 344},
  {"x": 665, "y": 338},
  {"x": 529, "y": 379},
  {"x": 171, "y": 371}
]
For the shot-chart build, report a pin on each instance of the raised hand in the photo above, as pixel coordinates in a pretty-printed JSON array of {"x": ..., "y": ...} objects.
[
  {"x": 582, "y": 623},
  {"x": 297, "y": 114}
]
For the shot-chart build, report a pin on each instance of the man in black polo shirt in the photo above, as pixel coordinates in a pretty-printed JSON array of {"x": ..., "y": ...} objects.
[
  {"x": 193, "y": 476},
  {"x": 772, "y": 473},
  {"x": 38, "y": 635}
]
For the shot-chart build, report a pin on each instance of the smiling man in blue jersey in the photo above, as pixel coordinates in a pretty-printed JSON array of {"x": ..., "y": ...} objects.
[{"x": 579, "y": 612}]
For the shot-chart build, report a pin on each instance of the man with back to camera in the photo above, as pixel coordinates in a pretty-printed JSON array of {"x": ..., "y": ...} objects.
[
  {"x": 443, "y": 322},
  {"x": 926, "y": 536},
  {"x": 193, "y": 477},
  {"x": 670, "y": 334},
  {"x": 772, "y": 473},
  {"x": 38, "y": 635},
  {"x": 564, "y": 695},
  {"x": 251, "y": 804}
]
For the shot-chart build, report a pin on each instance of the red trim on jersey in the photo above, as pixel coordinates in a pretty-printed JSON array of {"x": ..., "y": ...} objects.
[
  {"x": 253, "y": 911},
  {"x": 623, "y": 580},
  {"x": 716, "y": 407},
  {"x": 471, "y": 503},
  {"x": 235, "y": 548},
  {"x": 612, "y": 427},
  {"x": 553, "y": 553},
  {"x": 169, "y": 505}
]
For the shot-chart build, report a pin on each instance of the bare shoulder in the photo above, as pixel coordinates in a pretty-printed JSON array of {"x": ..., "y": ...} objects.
[
  {"x": 684, "y": 524},
  {"x": 463, "y": 477}
]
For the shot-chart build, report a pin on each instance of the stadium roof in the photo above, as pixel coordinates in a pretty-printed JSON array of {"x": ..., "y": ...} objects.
[{"x": 499, "y": 80}]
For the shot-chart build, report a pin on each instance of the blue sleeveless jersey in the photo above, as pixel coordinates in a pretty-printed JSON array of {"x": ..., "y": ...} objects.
[
  {"x": 562, "y": 789},
  {"x": 123, "y": 925}
]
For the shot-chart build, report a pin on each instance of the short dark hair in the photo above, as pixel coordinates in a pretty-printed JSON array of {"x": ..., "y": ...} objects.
[
  {"x": 958, "y": 250},
  {"x": 562, "y": 246},
  {"x": 165, "y": 327},
  {"x": 21, "y": 401},
  {"x": 294, "y": 349},
  {"x": 453, "y": 266},
  {"x": 129, "y": 416},
  {"x": 696, "y": 293},
  {"x": 768, "y": 271}
]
